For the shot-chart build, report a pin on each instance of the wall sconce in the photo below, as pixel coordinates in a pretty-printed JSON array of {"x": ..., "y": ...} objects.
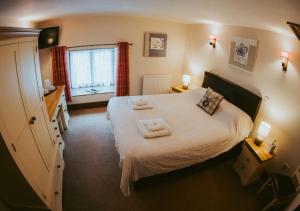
[
  {"x": 186, "y": 79},
  {"x": 212, "y": 40},
  {"x": 285, "y": 60},
  {"x": 262, "y": 132}
]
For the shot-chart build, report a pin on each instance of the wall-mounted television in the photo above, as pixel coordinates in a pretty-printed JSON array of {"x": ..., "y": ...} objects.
[{"x": 48, "y": 37}]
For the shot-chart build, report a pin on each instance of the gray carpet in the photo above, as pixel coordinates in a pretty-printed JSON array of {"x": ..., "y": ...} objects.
[{"x": 92, "y": 177}]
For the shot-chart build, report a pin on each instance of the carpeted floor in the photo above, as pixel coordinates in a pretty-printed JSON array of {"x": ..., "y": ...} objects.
[{"x": 92, "y": 177}]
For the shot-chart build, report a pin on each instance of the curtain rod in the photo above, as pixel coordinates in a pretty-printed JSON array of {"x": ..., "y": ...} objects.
[{"x": 96, "y": 45}]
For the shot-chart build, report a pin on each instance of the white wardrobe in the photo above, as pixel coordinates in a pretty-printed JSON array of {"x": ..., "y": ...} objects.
[{"x": 26, "y": 130}]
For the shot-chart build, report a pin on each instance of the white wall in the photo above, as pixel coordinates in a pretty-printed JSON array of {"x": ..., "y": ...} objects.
[
  {"x": 84, "y": 30},
  {"x": 282, "y": 88}
]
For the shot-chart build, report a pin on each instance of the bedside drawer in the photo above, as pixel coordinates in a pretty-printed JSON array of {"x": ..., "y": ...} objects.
[
  {"x": 246, "y": 166},
  {"x": 250, "y": 160}
]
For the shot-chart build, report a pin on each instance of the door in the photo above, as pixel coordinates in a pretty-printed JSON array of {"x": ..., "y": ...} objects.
[
  {"x": 29, "y": 78},
  {"x": 11, "y": 103}
]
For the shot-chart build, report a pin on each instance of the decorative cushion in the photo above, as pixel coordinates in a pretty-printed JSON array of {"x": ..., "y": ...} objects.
[{"x": 210, "y": 101}]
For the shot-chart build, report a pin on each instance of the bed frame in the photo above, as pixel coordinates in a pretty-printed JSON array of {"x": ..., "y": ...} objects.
[{"x": 237, "y": 95}]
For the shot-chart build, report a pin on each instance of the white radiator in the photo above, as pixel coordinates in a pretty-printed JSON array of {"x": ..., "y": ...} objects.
[{"x": 156, "y": 84}]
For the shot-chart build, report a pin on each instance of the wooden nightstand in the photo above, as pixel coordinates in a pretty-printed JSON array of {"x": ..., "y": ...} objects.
[
  {"x": 250, "y": 163},
  {"x": 179, "y": 89}
]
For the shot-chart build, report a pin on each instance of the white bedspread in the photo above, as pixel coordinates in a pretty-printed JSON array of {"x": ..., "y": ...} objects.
[{"x": 196, "y": 136}]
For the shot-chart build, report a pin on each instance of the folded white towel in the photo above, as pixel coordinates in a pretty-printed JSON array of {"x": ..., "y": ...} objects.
[
  {"x": 137, "y": 103},
  {"x": 140, "y": 102},
  {"x": 143, "y": 128},
  {"x": 156, "y": 124}
]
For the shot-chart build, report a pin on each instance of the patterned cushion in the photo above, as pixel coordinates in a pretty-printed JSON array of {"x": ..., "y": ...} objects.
[{"x": 210, "y": 101}]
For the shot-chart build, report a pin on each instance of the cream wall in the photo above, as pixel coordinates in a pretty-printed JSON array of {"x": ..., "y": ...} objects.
[
  {"x": 13, "y": 22},
  {"x": 280, "y": 90},
  {"x": 85, "y": 30}
]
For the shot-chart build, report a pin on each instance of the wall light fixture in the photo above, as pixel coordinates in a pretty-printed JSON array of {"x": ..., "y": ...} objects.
[
  {"x": 285, "y": 60},
  {"x": 212, "y": 40}
]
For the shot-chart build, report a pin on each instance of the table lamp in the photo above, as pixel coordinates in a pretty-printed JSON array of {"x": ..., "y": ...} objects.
[
  {"x": 262, "y": 132},
  {"x": 186, "y": 79}
]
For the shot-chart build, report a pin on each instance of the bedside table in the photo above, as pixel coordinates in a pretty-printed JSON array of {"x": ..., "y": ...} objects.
[
  {"x": 179, "y": 89},
  {"x": 250, "y": 163}
]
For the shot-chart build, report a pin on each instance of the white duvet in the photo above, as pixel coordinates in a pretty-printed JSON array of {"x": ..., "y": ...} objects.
[{"x": 196, "y": 136}]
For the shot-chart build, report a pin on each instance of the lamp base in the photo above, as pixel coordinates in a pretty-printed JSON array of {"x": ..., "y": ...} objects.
[
  {"x": 257, "y": 141},
  {"x": 185, "y": 86}
]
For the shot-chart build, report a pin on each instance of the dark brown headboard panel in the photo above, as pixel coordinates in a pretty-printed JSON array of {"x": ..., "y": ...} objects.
[{"x": 237, "y": 95}]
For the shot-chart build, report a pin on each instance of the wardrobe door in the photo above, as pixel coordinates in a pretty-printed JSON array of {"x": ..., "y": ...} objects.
[
  {"x": 11, "y": 103},
  {"x": 28, "y": 76},
  {"x": 34, "y": 99}
]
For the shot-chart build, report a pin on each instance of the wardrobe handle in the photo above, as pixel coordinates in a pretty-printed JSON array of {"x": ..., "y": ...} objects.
[{"x": 32, "y": 120}]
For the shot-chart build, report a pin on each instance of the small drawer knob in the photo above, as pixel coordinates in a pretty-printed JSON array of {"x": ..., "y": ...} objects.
[
  {"x": 56, "y": 193},
  {"x": 53, "y": 120},
  {"x": 57, "y": 136},
  {"x": 55, "y": 128},
  {"x": 248, "y": 160},
  {"x": 32, "y": 120},
  {"x": 58, "y": 166}
]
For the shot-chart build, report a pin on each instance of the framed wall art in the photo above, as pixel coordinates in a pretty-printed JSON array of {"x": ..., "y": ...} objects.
[
  {"x": 243, "y": 53},
  {"x": 155, "y": 44}
]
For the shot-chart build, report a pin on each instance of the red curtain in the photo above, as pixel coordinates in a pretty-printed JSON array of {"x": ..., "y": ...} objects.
[
  {"x": 60, "y": 69},
  {"x": 123, "y": 69}
]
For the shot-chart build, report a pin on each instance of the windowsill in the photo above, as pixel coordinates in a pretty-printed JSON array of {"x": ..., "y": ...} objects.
[{"x": 84, "y": 91}]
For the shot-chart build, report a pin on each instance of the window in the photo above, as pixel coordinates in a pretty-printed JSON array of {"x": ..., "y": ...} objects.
[{"x": 92, "y": 67}]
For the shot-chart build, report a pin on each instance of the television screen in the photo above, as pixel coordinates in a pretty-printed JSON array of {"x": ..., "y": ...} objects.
[{"x": 48, "y": 37}]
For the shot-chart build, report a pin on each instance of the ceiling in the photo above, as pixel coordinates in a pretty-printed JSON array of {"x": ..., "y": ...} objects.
[{"x": 264, "y": 14}]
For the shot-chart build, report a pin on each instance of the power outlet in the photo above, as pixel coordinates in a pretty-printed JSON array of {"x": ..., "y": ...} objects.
[{"x": 285, "y": 167}]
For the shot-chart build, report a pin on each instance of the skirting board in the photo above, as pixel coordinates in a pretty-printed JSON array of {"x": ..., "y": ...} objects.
[{"x": 87, "y": 105}]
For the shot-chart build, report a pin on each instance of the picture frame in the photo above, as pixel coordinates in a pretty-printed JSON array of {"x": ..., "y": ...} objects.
[
  {"x": 243, "y": 53},
  {"x": 155, "y": 44}
]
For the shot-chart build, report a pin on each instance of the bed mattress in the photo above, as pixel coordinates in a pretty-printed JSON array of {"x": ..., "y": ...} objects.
[{"x": 196, "y": 136}]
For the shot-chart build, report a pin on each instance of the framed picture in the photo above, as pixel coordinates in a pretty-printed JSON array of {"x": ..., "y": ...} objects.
[
  {"x": 155, "y": 45},
  {"x": 243, "y": 53}
]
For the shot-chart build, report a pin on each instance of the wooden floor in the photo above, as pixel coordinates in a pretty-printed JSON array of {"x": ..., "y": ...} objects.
[{"x": 92, "y": 177}]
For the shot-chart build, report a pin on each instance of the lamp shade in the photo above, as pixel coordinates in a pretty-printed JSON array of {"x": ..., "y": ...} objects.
[
  {"x": 263, "y": 130},
  {"x": 186, "y": 79},
  {"x": 212, "y": 37},
  {"x": 284, "y": 55}
]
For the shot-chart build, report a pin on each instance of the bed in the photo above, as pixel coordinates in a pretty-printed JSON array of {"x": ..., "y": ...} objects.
[{"x": 196, "y": 136}]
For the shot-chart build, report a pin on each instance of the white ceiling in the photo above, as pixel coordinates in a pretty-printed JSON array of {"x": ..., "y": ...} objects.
[{"x": 264, "y": 14}]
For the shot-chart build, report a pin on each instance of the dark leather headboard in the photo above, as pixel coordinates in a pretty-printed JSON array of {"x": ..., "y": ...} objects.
[{"x": 237, "y": 95}]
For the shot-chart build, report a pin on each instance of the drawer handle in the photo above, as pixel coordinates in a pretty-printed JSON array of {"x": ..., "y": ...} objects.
[
  {"x": 65, "y": 110},
  {"x": 243, "y": 167},
  {"x": 56, "y": 193},
  {"x": 57, "y": 136},
  {"x": 55, "y": 128},
  {"x": 53, "y": 120},
  {"x": 32, "y": 120},
  {"x": 58, "y": 166},
  {"x": 248, "y": 160},
  {"x": 60, "y": 143}
]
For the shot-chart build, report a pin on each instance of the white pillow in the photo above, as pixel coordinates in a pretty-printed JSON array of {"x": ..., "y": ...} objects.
[{"x": 240, "y": 121}]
